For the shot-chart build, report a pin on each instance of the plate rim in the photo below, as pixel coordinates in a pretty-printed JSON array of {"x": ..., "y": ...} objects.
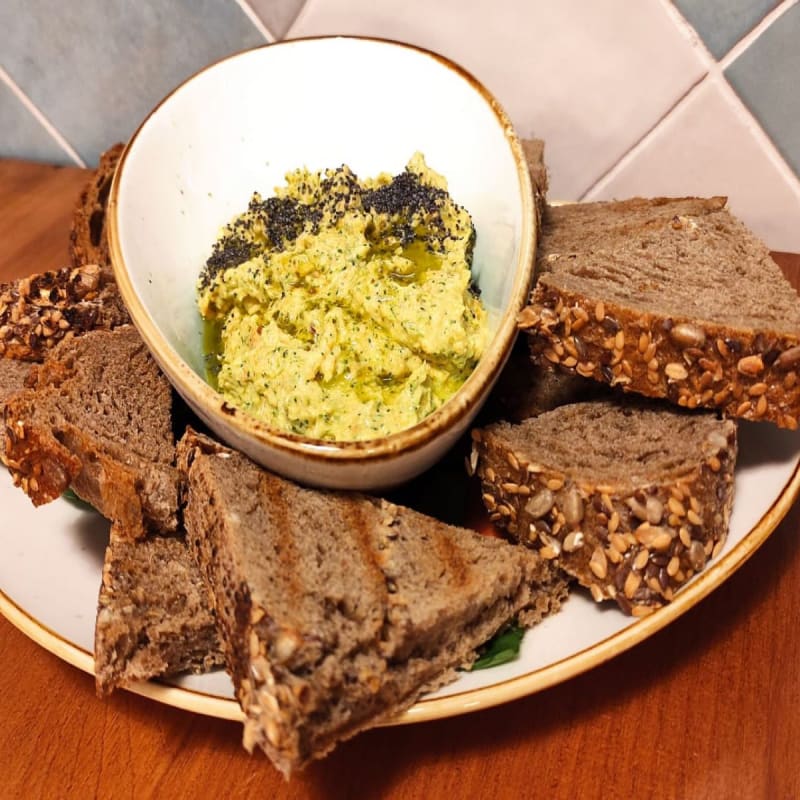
[{"x": 469, "y": 700}]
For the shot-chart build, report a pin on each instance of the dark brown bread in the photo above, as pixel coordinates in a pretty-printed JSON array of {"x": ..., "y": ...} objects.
[
  {"x": 525, "y": 390},
  {"x": 97, "y": 417},
  {"x": 88, "y": 237},
  {"x": 39, "y": 311},
  {"x": 337, "y": 611},
  {"x": 631, "y": 499},
  {"x": 670, "y": 298},
  {"x": 153, "y": 615},
  {"x": 534, "y": 156}
]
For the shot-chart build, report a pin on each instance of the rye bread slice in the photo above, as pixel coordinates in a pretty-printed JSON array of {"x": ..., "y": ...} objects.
[
  {"x": 336, "y": 610},
  {"x": 669, "y": 298},
  {"x": 153, "y": 614},
  {"x": 630, "y": 498},
  {"x": 88, "y": 237},
  {"x": 534, "y": 157},
  {"x": 526, "y": 390},
  {"x": 97, "y": 417}
]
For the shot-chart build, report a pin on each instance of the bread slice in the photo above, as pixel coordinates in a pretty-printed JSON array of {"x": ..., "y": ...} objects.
[
  {"x": 153, "y": 615},
  {"x": 534, "y": 157},
  {"x": 39, "y": 311},
  {"x": 88, "y": 236},
  {"x": 97, "y": 418},
  {"x": 669, "y": 298},
  {"x": 525, "y": 390},
  {"x": 336, "y": 610},
  {"x": 631, "y": 499}
]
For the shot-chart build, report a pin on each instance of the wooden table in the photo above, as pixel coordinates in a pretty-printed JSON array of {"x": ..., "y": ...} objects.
[{"x": 708, "y": 708}]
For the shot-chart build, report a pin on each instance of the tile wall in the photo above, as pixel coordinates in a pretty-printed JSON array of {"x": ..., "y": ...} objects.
[{"x": 651, "y": 97}]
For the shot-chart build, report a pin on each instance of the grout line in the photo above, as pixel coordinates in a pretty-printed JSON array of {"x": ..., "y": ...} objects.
[
  {"x": 41, "y": 118},
  {"x": 631, "y": 152},
  {"x": 691, "y": 34},
  {"x": 248, "y": 11},
  {"x": 714, "y": 71},
  {"x": 298, "y": 18},
  {"x": 752, "y": 35},
  {"x": 769, "y": 147}
]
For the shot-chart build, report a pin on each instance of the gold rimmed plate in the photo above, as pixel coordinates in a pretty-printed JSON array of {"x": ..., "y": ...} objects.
[{"x": 52, "y": 561}]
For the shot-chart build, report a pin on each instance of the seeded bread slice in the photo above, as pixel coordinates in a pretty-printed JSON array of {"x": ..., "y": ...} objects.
[
  {"x": 336, "y": 611},
  {"x": 97, "y": 418},
  {"x": 630, "y": 499},
  {"x": 88, "y": 236},
  {"x": 670, "y": 298},
  {"x": 153, "y": 615}
]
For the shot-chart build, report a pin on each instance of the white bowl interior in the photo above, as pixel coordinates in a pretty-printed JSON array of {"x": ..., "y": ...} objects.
[{"x": 241, "y": 125}]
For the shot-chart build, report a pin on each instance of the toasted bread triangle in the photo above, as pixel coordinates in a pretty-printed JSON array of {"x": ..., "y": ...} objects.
[{"x": 338, "y": 610}]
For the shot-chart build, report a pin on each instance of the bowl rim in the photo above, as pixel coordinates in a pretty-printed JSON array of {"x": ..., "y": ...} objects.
[{"x": 199, "y": 392}]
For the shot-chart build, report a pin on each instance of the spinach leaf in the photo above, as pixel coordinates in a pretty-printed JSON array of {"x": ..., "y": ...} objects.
[
  {"x": 501, "y": 648},
  {"x": 72, "y": 498}
]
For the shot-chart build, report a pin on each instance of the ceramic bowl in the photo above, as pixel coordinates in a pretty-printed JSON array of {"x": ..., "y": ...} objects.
[{"x": 239, "y": 126}]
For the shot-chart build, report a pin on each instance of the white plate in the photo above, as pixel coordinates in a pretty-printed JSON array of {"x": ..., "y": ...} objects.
[{"x": 52, "y": 560}]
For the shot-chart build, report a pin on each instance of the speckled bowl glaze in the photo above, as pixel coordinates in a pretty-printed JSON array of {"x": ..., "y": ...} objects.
[{"x": 239, "y": 126}]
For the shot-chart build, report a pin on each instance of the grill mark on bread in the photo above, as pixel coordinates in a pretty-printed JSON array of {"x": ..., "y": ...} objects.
[
  {"x": 283, "y": 546},
  {"x": 453, "y": 560}
]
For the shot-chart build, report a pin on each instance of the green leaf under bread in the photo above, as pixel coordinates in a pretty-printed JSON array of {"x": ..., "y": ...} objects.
[
  {"x": 501, "y": 648},
  {"x": 71, "y": 497}
]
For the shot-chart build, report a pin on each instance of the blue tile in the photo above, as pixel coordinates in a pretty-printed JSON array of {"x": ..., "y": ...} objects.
[
  {"x": 277, "y": 15},
  {"x": 721, "y": 23},
  {"x": 21, "y": 134},
  {"x": 765, "y": 76},
  {"x": 95, "y": 68}
]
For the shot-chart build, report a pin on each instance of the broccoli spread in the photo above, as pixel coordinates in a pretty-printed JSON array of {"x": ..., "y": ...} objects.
[{"x": 343, "y": 309}]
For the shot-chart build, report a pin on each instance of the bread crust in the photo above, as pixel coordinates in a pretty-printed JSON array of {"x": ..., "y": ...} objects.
[
  {"x": 39, "y": 311},
  {"x": 744, "y": 373},
  {"x": 88, "y": 238},
  {"x": 534, "y": 157},
  {"x": 634, "y": 544}
]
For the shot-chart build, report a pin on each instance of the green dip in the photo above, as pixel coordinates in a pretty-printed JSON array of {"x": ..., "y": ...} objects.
[{"x": 343, "y": 309}]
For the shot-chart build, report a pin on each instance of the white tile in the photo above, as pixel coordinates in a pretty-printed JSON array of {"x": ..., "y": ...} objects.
[
  {"x": 711, "y": 145},
  {"x": 589, "y": 78}
]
